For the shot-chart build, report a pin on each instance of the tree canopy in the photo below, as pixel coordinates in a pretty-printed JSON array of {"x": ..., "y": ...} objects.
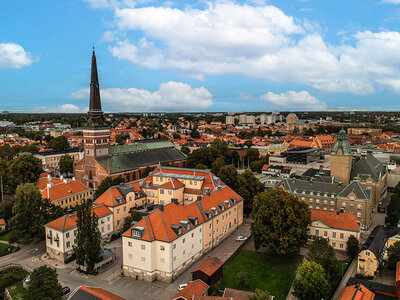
[
  {"x": 106, "y": 184},
  {"x": 23, "y": 169},
  {"x": 87, "y": 247},
  {"x": 66, "y": 164},
  {"x": 44, "y": 284},
  {"x": 58, "y": 143},
  {"x": 260, "y": 295},
  {"x": 311, "y": 282},
  {"x": 352, "y": 247},
  {"x": 322, "y": 253},
  {"x": 393, "y": 210},
  {"x": 394, "y": 254},
  {"x": 280, "y": 221},
  {"x": 31, "y": 213}
]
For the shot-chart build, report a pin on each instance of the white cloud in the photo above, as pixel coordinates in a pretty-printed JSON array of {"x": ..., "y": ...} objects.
[
  {"x": 257, "y": 42},
  {"x": 295, "y": 101},
  {"x": 245, "y": 96},
  {"x": 65, "y": 108},
  {"x": 14, "y": 56},
  {"x": 171, "y": 96},
  {"x": 110, "y": 3}
]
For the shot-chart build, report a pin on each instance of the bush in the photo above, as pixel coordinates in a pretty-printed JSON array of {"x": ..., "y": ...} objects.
[
  {"x": 242, "y": 283},
  {"x": 362, "y": 276}
]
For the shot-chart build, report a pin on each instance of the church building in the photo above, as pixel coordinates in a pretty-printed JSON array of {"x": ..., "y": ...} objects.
[{"x": 128, "y": 161}]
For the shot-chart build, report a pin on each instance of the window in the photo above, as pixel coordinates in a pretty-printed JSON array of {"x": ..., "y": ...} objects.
[
  {"x": 130, "y": 244},
  {"x": 183, "y": 252},
  {"x": 67, "y": 235},
  {"x": 162, "y": 260},
  {"x": 192, "y": 234},
  {"x": 124, "y": 208},
  {"x": 162, "y": 192},
  {"x": 108, "y": 227},
  {"x": 118, "y": 211},
  {"x": 341, "y": 236},
  {"x": 325, "y": 233},
  {"x": 333, "y": 245},
  {"x": 169, "y": 192},
  {"x": 192, "y": 246},
  {"x": 358, "y": 215},
  {"x": 102, "y": 229},
  {"x": 118, "y": 221},
  {"x": 143, "y": 247},
  {"x": 344, "y": 204},
  {"x": 334, "y": 234},
  {"x": 367, "y": 253},
  {"x": 162, "y": 248},
  {"x": 174, "y": 246},
  {"x": 317, "y": 201},
  {"x": 130, "y": 256},
  {"x": 341, "y": 246},
  {"x": 68, "y": 244},
  {"x": 311, "y": 200},
  {"x": 332, "y": 203},
  {"x": 317, "y": 232},
  {"x": 359, "y": 206}
]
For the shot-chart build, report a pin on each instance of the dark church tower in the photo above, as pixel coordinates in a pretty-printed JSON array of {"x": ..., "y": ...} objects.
[{"x": 96, "y": 132}]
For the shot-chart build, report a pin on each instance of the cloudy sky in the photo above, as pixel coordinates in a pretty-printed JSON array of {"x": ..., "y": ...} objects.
[{"x": 224, "y": 55}]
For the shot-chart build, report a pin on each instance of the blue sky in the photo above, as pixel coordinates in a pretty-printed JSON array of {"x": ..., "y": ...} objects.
[{"x": 249, "y": 55}]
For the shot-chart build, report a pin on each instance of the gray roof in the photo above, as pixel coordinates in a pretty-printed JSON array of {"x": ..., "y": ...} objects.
[
  {"x": 312, "y": 172},
  {"x": 132, "y": 161},
  {"x": 367, "y": 166},
  {"x": 377, "y": 239},
  {"x": 336, "y": 189}
]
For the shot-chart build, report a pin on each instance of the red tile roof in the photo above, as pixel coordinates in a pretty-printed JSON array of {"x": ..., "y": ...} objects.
[
  {"x": 196, "y": 287},
  {"x": 2, "y": 222},
  {"x": 173, "y": 184},
  {"x": 333, "y": 219},
  {"x": 61, "y": 189},
  {"x": 101, "y": 293},
  {"x": 356, "y": 292},
  {"x": 68, "y": 222},
  {"x": 43, "y": 180},
  {"x": 210, "y": 266}
]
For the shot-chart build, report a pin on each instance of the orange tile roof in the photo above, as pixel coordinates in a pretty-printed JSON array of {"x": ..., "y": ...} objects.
[
  {"x": 300, "y": 143},
  {"x": 158, "y": 224},
  {"x": 173, "y": 184},
  {"x": 343, "y": 220},
  {"x": 108, "y": 197},
  {"x": 210, "y": 266},
  {"x": 43, "y": 180},
  {"x": 61, "y": 189},
  {"x": 2, "y": 222},
  {"x": 68, "y": 222},
  {"x": 196, "y": 287},
  {"x": 356, "y": 292},
  {"x": 101, "y": 293}
]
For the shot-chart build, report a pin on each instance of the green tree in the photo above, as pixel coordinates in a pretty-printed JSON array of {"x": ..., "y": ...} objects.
[
  {"x": 66, "y": 164},
  {"x": 280, "y": 221},
  {"x": 119, "y": 138},
  {"x": 133, "y": 217},
  {"x": 87, "y": 246},
  {"x": 31, "y": 213},
  {"x": 352, "y": 247},
  {"x": 23, "y": 169},
  {"x": 217, "y": 165},
  {"x": 394, "y": 254},
  {"x": 201, "y": 167},
  {"x": 256, "y": 166},
  {"x": 260, "y": 295},
  {"x": 229, "y": 176},
  {"x": 322, "y": 253},
  {"x": 44, "y": 284},
  {"x": 248, "y": 143},
  {"x": 185, "y": 150},
  {"x": 106, "y": 184},
  {"x": 393, "y": 210},
  {"x": 311, "y": 282},
  {"x": 58, "y": 143},
  {"x": 251, "y": 155},
  {"x": 147, "y": 171},
  {"x": 248, "y": 187},
  {"x": 242, "y": 283}
]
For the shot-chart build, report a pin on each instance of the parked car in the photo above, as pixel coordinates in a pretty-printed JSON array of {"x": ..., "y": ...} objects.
[
  {"x": 66, "y": 290},
  {"x": 182, "y": 286},
  {"x": 241, "y": 238}
]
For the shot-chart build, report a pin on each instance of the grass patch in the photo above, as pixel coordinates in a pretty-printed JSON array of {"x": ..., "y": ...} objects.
[
  {"x": 5, "y": 236},
  {"x": 265, "y": 271},
  {"x": 17, "y": 291}
]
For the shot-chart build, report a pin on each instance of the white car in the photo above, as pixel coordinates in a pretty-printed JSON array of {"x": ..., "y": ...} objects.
[
  {"x": 182, "y": 286},
  {"x": 241, "y": 238}
]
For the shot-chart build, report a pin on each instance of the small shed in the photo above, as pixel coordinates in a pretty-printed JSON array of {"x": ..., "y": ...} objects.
[{"x": 210, "y": 271}]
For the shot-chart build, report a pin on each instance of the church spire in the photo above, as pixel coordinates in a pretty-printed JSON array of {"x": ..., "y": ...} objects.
[
  {"x": 95, "y": 117},
  {"x": 95, "y": 104}
]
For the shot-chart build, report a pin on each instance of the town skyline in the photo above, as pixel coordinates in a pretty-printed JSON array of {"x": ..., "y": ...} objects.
[{"x": 345, "y": 61}]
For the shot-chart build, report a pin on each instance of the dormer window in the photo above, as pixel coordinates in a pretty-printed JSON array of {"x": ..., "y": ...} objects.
[
  {"x": 214, "y": 210},
  {"x": 227, "y": 203},
  {"x": 185, "y": 224},
  {"x": 233, "y": 199},
  {"x": 177, "y": 229},
  {"x": 193, "y": 220},
  {"x": 208, "y": 214},
  {"x": 221, "y": 207},
  {"x": 137, "y": 232}
]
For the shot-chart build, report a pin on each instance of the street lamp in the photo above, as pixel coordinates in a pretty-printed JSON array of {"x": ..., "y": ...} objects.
[{"x": 342, "y": 267}]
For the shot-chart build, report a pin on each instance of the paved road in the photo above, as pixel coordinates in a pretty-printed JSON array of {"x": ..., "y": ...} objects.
[{"x": 32, "y": 256}]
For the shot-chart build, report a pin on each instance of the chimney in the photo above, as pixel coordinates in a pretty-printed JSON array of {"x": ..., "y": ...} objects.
[
  {"x": 73, "y": 178},
  {"x": 65, "y": 180},
  {"x": 61, "y": 177}
]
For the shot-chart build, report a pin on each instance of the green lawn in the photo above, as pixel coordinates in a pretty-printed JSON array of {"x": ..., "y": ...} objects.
[
  {"x": 263, "y": 270},
  {"x": 17, "y": 291},
  {"x": 5, "y": 236}
]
